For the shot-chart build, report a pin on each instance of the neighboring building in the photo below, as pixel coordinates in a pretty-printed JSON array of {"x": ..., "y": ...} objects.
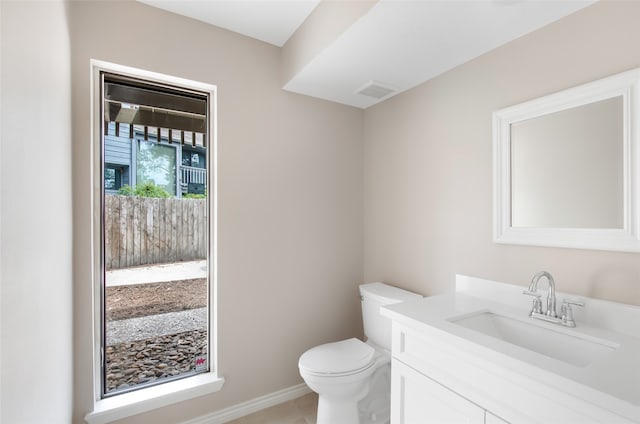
[{"x": 135, "y": 154}]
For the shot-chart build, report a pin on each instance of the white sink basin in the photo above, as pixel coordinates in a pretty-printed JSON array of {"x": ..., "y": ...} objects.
[{"x": 561, "y": 343}]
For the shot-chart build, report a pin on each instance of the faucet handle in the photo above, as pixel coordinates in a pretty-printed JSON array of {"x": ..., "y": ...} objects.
[
  {"x": 569, "y": 302},
  {"x": 537, "y": 303},
  {"x": 566, "y": 312}
]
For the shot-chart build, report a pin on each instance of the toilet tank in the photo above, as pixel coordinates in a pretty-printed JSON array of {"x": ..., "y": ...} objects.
[{"x": 377, "y": 328}]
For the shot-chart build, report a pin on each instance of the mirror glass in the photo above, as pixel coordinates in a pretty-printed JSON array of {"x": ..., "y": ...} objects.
[{"x": 566, "y": 168}]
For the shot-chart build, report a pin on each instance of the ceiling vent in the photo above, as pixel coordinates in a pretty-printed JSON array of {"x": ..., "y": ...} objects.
[{"x": 376, "y": 90}]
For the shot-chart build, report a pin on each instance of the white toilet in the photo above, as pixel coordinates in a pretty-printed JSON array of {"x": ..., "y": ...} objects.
[{"x": 352, "y": 378}]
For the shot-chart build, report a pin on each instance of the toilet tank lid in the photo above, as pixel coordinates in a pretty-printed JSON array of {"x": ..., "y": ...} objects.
[
  {"x": 337, "y": 357},
  {"x": 386, "y": 294}
]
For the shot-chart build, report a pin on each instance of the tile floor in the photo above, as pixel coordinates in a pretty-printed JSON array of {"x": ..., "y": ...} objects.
[{"x": 298, "y": 411}]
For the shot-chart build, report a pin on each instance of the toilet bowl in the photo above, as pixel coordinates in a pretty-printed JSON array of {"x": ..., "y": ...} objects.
[
  {"x": 351, "y": 377},
  {"x": 340, "y": 373}
]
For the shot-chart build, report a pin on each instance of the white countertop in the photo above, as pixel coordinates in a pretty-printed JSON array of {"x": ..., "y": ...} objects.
[{"x": 611, "y": 382}]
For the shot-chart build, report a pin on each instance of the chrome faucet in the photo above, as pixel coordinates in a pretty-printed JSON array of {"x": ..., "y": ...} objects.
[
  {"x": 551, "y": 295},
  {"x": 566, "y": 313}
]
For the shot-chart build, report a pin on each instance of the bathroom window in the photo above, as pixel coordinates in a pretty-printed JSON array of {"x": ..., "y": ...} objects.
[{"x": 155, "y": 252}]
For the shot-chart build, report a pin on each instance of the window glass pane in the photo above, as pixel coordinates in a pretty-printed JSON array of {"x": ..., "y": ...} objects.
[
  {"x": 157, "y": 164},
  {"x": 155, "y": 241},
  {"x": 113, "y": 177},
  {"x": 110, "y": 179}
]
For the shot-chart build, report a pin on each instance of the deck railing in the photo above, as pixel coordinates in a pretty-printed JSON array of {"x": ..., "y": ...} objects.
[{"x": 192, "y": 174}]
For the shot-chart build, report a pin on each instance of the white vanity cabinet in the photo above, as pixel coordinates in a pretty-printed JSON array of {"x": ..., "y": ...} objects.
[
  {"x": 418, "y": 399},
  {"x": 436, "y": 382}
]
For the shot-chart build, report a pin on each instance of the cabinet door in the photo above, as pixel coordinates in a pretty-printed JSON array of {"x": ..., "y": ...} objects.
[
  {"x": 416, "y": 399},
  {"x": 492, "y": 419}
]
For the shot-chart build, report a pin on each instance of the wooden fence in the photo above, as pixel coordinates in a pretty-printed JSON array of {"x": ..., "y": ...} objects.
[{"x": 141, "y": 231}]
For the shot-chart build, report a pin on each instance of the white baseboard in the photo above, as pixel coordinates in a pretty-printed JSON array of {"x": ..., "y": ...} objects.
[{"x": 254, "y": 405}]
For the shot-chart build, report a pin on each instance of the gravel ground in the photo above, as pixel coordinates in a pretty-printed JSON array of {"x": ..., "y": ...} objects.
[
  {"x": 141, "y": 328},
  {"x": 155, "y": 331}
]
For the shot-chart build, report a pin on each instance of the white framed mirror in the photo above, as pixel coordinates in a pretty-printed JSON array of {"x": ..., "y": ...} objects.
[{"x": 566, "y": 168}]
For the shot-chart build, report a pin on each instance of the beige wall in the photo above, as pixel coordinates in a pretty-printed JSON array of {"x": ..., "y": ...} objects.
[
  {"x": 428, "y": 170},
  {"x": 35, "y": 214},
  {"x": 290, "y": 199}
]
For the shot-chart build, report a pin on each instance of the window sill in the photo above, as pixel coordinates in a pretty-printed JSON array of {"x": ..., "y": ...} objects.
[{"x": 128, "y": 404}]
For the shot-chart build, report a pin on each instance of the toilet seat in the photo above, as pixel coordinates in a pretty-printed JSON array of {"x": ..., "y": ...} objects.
[{"x": 341, "y": 358}]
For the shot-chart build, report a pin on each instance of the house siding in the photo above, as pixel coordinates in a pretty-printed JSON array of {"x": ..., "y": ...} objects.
[{"x": 117, "y": 150}]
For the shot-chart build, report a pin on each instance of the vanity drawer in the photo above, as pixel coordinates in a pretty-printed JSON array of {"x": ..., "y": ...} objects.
[{"x": 416, "y": 349}]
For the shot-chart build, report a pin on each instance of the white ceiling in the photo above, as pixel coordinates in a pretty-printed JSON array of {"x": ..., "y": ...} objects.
[
  {"x": 398, "y": 43},
  {"x": 272, "y": 21}
]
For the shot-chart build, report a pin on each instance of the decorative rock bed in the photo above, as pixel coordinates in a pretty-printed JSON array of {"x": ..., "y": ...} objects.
[
  {"x": 144, "y": 361},
  {"x": 163, "y": 356}
]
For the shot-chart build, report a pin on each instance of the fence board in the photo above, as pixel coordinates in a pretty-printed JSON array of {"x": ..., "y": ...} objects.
[
  {"x": 203, "y": 224},
  {"x": 122, "y": 235},
  {"x": 170, "y": 232},
  {"x": 162, "y": 229},
  {"x": 107, "y": 240},
  {"x": 147, "y": 226},
  {"x": 188, "y": 221},
  {"x": 115, "y": 241},
  {"x": 142, "y": 231},
  {"x": 136, "y": 231},
  {"x": 156, "y": 230},
  {"x": 184, "y": 228}
]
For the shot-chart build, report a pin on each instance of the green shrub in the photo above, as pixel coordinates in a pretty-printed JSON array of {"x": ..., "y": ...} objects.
[
  {"x": 194, "y": 196},
  {"x": 148, "y": 189},
  {"x": 126, "y": 190}
]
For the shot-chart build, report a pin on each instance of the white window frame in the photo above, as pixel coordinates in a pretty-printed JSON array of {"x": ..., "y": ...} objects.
[{"x": 122, "y": 405}]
